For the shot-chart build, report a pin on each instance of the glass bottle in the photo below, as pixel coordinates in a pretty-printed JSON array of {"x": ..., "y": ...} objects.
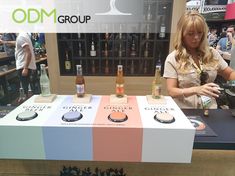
[
  {"x": 106, "y": 36},
  {"x": 92, "y": 51},
  {"x": 133, "y": 49},
  {"x": 93, "y": 54},
  {"x": 79, "y": 49},
  {"x": 106, "y": 52},
  {"x": 132, "y": 71},
  {"x": 147, "y": 35},
  {"x": 120, "y": 50},
  {"x": 146, "y": 50},
  {"x": 67, "y": 62},
  {"x": 162, "y": 33},
  {"x": 80, "y": 82},
  {"x": 119, "y": 82},
  {"x": 44, "y": 82},
  {"x": 156, "y": 84}
]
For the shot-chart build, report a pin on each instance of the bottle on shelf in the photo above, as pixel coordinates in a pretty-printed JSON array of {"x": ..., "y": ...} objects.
[
  {"x": 106, "y": 52},
  {"x": 106, "y": 36},
  {"x": 162, "y": 32},
  {"x": 133, "y": 49},
  {"x": 120, "y": 82},
  {"x": 80, "y": 82},
  {"x": 120, "y": 36},
  {"x": 120, "y": 50},
  {"x": 92, "y": 51},
  {"x": 156, "y": 84},
  {"x": 106, "y": 69},
  {"x": 146, "y": 50},
  {"x": 132, "y": 67},
  {"x": 146, "y": 54},
  {"x": 120, "y": 32},
  {"x": 44, "y": 82},
  {"x": 67, "y": 63},
  {"x": 80, "y": 49},
  {"x": 147, "y": 34},
  {"x": 79, "y": 35},
  {"x": 93, "y": 54},
  {"x": 93, "y": 70}
]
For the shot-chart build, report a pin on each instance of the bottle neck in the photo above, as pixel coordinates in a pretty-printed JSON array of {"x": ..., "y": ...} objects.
[
  {"x": 43, "y": 71},
  {"x": 92, "y": 46},
  {"x": 157, "y": 73},
  {"x": 120, "y": 73},
  {"x": 66, "y": 56},
  {"x": 79, "y": 71}
]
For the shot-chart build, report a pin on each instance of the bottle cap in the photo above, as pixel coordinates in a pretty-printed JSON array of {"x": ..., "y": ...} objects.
[
  {"x": 119, "y": 67},
  {"x": 79, "y": 66}
]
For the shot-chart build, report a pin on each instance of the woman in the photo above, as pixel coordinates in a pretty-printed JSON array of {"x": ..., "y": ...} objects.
[{"x": 192, "y": 67}]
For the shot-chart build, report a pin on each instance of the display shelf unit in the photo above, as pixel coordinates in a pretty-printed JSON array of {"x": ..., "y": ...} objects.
[{"x": 137, "y": 52}]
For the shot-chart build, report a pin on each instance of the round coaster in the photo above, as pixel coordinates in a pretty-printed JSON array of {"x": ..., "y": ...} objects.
[
  {"x": 164, "y": 118},
  {"x": 117, "y": 117},
  {"x": 26, "y": 115},
  {"x": 198, "y": 124},
  {"x": 72, "y": 116}
]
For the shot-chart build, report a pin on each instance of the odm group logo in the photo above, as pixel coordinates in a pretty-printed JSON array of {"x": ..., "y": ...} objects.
[{"x": 32, "y": 15}]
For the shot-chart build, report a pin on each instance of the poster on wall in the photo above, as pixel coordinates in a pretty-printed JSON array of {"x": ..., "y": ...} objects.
[{"x": 211, "y": 9}]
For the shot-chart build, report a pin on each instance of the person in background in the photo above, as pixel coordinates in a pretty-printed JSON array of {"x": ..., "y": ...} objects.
[
  {"x": 212, "y": 37},
  {"x": 8, "y": 41},
  {"x": 225, "y": 44},
  {"x": 191, "y": 68},
  {"x": 25, "y": 62}
]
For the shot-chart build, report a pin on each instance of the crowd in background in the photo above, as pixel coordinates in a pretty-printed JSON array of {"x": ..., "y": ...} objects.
[{"x": 224, "y": 42}]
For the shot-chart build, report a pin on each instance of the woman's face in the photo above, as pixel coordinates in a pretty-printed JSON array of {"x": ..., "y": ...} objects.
[{"x": 192, "y": 39}]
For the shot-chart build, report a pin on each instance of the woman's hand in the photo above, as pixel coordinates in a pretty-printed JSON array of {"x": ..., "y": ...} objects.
[{"x": 209, "y": 89}]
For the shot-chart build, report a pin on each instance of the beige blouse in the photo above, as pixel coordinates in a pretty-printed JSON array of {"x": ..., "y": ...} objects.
[{"x": 191, "y": 78}]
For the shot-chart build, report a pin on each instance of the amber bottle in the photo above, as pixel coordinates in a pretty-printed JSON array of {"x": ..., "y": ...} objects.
[
  {"x": 80, "y": 82},
  {"x": 119, "y": 82}
]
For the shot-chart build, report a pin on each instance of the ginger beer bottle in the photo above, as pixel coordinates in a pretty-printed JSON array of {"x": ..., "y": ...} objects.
[
  {"x": 120, "y": 82},
  {"x": 156, "y": 84},
  {"x": 44, "y": 82},
  {"x": 80, "y": 82}
]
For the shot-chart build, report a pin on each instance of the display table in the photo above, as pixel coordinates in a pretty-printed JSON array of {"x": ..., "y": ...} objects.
[
  {"x": 94, "y": 137},
  {"x": 204, "y": 161}
]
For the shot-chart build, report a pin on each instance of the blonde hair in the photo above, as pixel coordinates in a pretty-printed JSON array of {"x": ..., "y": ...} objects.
[{"x": 192, "y": 19}]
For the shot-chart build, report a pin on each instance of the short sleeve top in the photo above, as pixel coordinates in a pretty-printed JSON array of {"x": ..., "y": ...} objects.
[{"x": 191, "y": 78}]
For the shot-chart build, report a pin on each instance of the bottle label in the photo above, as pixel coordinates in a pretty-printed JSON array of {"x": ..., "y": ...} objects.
[
  {"x": 162, "y": 32},
  {"x": 45, "y": 90},
  {"x": 93, "y": 53},
  {"x": 156, "y": 93},
  {"x": 119, "y": 89},
  {"x": 67, "y": 65},
  {"x": 80, "y": 88}
]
